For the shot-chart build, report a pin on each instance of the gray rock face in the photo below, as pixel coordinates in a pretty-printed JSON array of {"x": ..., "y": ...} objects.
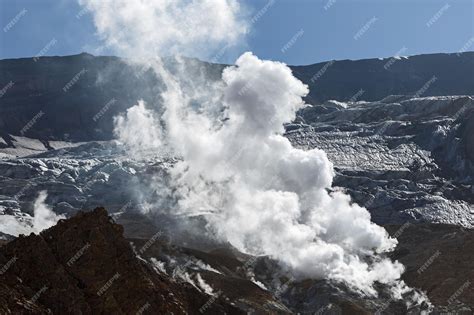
[{"x": 405, "y": 159}]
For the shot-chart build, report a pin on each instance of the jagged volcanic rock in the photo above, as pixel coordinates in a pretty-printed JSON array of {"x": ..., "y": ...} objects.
[{"x": 83, "y": 265}]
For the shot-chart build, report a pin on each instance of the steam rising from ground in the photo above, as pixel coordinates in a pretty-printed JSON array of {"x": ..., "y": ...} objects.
[
  {"x": 139, "y": 129},
  {"x": 261, "y": 194},
  {"x": 43, "y": 218},
  {"x": 237, "y": 169}
]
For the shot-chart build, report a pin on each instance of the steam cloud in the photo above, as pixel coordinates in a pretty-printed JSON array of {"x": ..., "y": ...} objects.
[
  {"x": 43, "y": 218},
  {"x": 188, "y": 27},
  {"x": 139, "y": 129},
  {"x": 237, "y": 169}
]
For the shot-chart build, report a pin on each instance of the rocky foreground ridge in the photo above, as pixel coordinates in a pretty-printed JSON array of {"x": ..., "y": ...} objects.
[
  {"x": 84, "y": 265},
  {"x": 88, "y": 265}
]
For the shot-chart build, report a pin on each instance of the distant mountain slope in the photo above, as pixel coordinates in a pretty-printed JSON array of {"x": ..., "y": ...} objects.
[
  {"x": 76, "y": 97},
  {"x": 428, "y": 75}
]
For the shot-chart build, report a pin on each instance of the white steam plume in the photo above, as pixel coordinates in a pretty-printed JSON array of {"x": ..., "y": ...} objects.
[
  {"x": 187, "y": 27},
  {"x": 43, "y": 218},
  {"x": 267, "y": 197},
  {"x": 255, "y": 190},
  {"x": 139, "y": 129}
]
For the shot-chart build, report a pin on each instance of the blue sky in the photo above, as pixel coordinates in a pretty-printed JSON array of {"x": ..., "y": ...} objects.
[{"x": 293, "y": 31}]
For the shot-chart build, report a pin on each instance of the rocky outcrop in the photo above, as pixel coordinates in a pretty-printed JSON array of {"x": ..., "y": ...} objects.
[
  {"x": 438, "y": 260},
  {"x": 83, "y": 265}
]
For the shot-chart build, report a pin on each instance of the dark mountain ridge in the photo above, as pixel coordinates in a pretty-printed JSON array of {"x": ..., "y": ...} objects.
[{"x": 76, "y": 97}]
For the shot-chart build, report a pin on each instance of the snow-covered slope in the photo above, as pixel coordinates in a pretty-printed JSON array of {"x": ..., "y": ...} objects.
[{"x": 405, "y": 159}]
